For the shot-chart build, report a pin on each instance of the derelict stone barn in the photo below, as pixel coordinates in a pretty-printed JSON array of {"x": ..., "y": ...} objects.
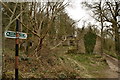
[
  {"x": 70, "y": 41},
  {"x": 79, "y": 43},
  {"x": 96, "y": 46}
]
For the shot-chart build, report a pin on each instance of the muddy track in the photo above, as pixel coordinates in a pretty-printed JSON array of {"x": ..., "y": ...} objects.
[
  {"x": 107, "y": 71},
  {"x": 112, "y": 62}
]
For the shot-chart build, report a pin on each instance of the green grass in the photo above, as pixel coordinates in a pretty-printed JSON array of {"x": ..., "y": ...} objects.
[
  {"x": 113, "y": 54},
  {"x": 93, "y": 63},
  {"x": 84, "y": 58}
]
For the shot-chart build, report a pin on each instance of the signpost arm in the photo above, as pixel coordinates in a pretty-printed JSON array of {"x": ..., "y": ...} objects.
[{"x": 16, "y": 50}]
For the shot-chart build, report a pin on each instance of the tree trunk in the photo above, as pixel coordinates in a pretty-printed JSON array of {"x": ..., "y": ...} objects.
[
  {"x": 101, "y": 32},
  {"x": 39, "y": 46},
  {"x": 20, "y": 23},
  {"x": 27, "y": 44},
  {"x": 21, "y": 20},
  {"x": 117, "y": 45},
  {"x": 102, "y": 38}
]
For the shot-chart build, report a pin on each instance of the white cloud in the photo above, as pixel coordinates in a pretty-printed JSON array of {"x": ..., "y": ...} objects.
[{"x": 76, "y": 12}]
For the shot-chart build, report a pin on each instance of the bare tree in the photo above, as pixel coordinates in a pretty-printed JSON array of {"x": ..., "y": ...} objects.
[
  {"x": 107, "y": 13},
  {"x": 110, "y": 15},
  {"x": 97, "y": 8},
  {"x": 39, "y": 19}
]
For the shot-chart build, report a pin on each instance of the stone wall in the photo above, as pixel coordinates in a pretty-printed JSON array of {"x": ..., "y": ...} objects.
[
  {"x": 81, "y": 46},
  {"x": 97, "y": 48}
]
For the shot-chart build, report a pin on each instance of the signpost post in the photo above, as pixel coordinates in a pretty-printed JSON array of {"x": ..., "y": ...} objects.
[
  {"x": 16, "y": 50},
  {"x": 16, "y": 35}
]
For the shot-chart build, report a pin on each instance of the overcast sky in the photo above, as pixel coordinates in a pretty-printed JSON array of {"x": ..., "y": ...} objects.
[{"x": 76, "y": 12}]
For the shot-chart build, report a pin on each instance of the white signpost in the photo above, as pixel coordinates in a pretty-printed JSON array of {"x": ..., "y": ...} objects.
[
  {"x": 16, "y": 35},
  {"x": 12, "y": 34}
]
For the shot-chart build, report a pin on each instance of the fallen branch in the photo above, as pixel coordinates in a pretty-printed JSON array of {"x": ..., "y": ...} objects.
[{"x": 58, "y": 44}]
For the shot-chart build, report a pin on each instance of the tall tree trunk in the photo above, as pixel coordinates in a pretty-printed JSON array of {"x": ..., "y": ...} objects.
[
  {"x": 101, "y": 20},
  {"x": 102, "y": 35},
  {"x": 21, "y": 24},
  {"x": 117, "y": 45},
  {"x": 27, "y": 43},
  {"x": 119, "y": 40},
  {"x": 21, "y": 17},
  {"x": 39, "y": 47}
]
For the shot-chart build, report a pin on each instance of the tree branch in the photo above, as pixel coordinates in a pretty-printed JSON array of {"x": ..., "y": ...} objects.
[
  {"x": 59, "y": 44},
  {"x": 7, "y": 27}
]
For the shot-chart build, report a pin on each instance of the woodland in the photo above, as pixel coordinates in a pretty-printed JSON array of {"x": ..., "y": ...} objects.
[{"x": 55, "y": 47}]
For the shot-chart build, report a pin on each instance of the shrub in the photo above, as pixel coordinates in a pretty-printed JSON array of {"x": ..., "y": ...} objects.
[{"x": 89, "y": 41}]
